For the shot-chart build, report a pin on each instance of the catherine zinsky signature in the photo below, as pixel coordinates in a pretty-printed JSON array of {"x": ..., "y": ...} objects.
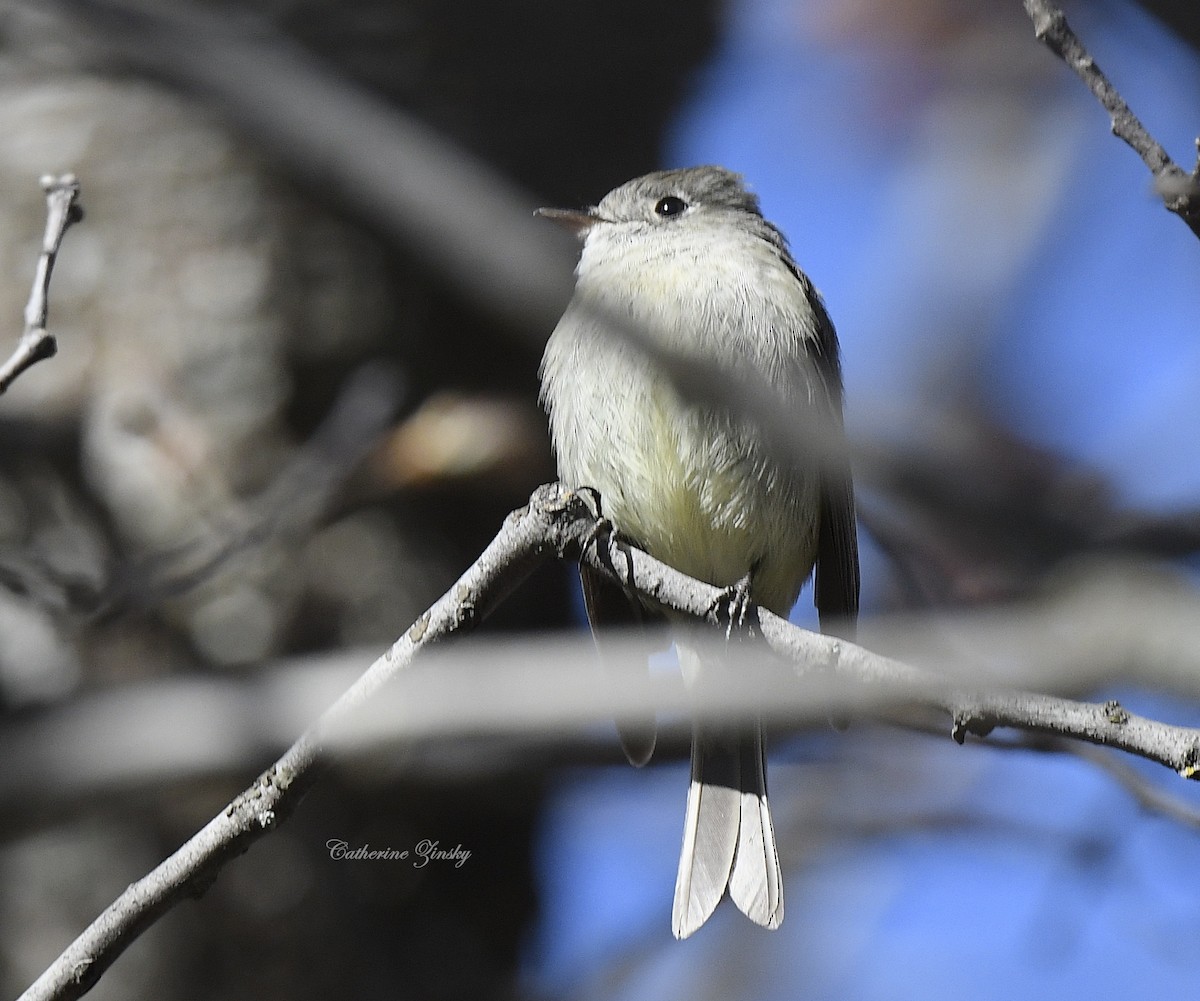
[{"x": 420, "y": 855}]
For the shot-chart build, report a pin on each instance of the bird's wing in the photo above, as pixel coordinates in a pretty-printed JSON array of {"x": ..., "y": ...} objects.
[{"x": 837, "y": 575}]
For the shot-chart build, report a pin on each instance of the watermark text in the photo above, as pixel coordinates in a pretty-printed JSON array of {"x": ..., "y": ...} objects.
[{"x": 418, "y": 856}]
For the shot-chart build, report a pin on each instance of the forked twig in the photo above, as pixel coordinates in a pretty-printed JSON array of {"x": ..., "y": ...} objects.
[{"x": 37, "y": 343}]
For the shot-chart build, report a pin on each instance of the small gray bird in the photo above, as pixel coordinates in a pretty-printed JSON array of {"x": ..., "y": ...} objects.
[{"x": 686, "y": 256}]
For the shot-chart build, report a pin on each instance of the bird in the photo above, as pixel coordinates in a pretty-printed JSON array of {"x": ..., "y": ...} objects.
[{"x": 687, "y": 258}]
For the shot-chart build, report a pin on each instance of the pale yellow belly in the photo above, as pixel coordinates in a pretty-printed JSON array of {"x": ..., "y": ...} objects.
[{"x": 695, "y": 496}]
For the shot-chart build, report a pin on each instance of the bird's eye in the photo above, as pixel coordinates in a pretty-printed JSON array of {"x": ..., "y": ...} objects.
[{"x": 669, "y": 206}]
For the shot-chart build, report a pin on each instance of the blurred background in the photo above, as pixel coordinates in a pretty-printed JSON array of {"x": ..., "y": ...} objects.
[{"x": 280, "y": 424}]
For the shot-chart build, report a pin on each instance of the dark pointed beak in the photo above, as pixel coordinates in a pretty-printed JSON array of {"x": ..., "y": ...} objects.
[{"x": 578, "y": 221}]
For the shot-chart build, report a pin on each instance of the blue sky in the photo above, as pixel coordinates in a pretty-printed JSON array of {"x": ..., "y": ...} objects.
[{"x": 967, "y": 216}]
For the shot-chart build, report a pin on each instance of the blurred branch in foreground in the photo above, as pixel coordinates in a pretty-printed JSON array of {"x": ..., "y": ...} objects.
[
  {"x": 1083, "y": 634},
  {"x": 1179, "y": 190},
  {"x": 533, "y": 703},
  {"x": 474, "y": 227},
  {"x": 37, "y": 343},
  {"x": 477, "y": 229}
]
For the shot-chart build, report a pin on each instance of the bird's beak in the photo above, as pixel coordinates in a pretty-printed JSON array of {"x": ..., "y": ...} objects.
[{"x": 578, "y": 221}]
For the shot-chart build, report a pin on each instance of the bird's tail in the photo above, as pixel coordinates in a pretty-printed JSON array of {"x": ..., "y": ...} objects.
[{"x": 728, "y": 839}]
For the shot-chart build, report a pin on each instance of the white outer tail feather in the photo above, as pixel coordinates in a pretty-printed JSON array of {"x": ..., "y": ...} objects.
[{"x": 728, "y": 839}]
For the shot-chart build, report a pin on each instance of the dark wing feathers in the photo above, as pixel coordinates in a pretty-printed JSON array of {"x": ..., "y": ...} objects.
[{"x": 837, "y": 574}]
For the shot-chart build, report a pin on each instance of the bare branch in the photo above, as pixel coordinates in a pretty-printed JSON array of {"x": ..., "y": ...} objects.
[
  {"x": 1179, "y": 190},
  {"x": 510, "y": 557},
  {"x": 36, "y": 343},
  {"x": 557, "y": 523}
]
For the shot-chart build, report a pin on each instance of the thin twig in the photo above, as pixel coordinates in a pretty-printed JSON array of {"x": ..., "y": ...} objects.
[
  {"x": 558, "y": 524},
  {"x": 1179, "y": 190},
  {"x": 1144, "y": 792},
  {"x": 37, "y": 344}
]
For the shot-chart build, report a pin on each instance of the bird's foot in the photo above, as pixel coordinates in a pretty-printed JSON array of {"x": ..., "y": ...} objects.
[
  {"x": 735, "y": 606},
  {"x": 602, "y": 527}
]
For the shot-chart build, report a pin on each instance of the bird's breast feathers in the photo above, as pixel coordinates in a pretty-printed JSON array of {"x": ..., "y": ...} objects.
[{"x": 692, "y": 484}]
